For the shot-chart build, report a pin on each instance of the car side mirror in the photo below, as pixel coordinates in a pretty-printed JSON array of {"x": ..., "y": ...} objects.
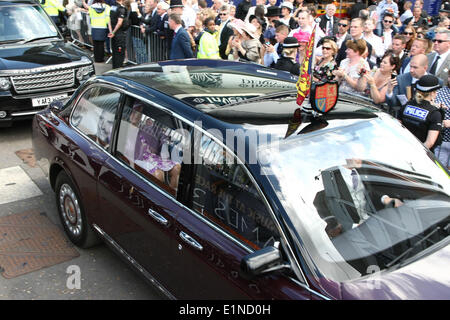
[{"x": 262, "y": 261}]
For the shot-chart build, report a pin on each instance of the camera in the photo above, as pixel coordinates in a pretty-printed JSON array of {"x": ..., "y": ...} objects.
[{"x": 393, "y": 75}]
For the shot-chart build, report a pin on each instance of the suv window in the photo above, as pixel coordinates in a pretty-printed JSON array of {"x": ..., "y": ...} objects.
[
  {"x": 224, "y": 193},
  {"x": 150, "y": 143},
  {"x": 94, "y": 114},
  {"x": 24, "y": 22}
]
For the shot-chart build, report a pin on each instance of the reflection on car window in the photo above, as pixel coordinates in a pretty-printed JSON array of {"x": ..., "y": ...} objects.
[
  {"x": 150, "y": 143},
  {"x": 24, "y": 22},
  {"x": 94, "y": 114},
  {"x": 224, "y": 193}
]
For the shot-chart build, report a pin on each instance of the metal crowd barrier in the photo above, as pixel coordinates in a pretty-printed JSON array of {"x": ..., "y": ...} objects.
[{"x": 141, "y": 48}]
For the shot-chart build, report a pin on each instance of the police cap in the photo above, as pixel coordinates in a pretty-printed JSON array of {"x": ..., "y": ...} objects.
[{"x": 428, "y": 83}]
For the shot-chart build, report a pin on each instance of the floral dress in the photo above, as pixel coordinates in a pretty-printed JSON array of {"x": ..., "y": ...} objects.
[{"x": 325, "y": 73}]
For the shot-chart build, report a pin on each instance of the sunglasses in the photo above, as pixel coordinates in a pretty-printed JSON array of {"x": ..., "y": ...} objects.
[
  {"x": 342, "y": 25},
  {"x": 408, "y": 33},
  {"x": 439, "y": 41},
  {"x": 326, "y": 48},
  {"x": 223, "y": 14},
  {"x": 388, "y": 21}
]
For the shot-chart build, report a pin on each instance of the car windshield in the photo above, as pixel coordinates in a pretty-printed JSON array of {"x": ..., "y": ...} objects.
[
  {"x": 24, "y": 23},
  {"x": 363, "y": 196}
]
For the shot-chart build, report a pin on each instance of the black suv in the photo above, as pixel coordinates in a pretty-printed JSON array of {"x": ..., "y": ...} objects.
[{"x": 36, "y": 65}]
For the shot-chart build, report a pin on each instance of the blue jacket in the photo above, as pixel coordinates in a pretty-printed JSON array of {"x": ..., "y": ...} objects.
[{"x": 181, "y": 46}]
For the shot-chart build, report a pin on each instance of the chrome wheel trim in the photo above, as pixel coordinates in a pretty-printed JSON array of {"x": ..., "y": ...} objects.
[{"x": 70, "y": 210}]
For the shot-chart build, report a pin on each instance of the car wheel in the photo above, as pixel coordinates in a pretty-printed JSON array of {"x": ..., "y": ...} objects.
[{"x": 71, "y": 213}]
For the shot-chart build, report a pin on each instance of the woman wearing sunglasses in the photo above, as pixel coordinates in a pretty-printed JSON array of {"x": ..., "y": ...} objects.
[
  {"x": 325, "y": 65},
  {"x": 410, "y": 35}
]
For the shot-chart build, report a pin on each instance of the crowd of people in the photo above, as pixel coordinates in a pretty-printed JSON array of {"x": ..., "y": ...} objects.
[{"x": 380, "y": 51}]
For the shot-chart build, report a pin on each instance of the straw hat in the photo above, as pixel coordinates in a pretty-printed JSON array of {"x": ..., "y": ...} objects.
[
  {"x": 250, "y": 29},
  {"x": 238, "y": 24}
]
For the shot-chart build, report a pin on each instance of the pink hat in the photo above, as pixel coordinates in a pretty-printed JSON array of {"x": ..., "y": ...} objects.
[
  {"x": 238, "y": 24},
  {"x": 302, "y": 36}
]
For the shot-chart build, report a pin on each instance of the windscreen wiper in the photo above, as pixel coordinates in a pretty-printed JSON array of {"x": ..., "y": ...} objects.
[
  {"x": 39, "y": 38},
  {"x": 11, "y": 41},
  {"x": 406, "y": 254}
]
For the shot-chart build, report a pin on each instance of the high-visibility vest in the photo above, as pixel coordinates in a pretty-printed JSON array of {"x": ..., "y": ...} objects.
[
  {"x": 208, "y": 48},
  {"x": 52, "y": 7},
  {"x": 99, "y": 20}
]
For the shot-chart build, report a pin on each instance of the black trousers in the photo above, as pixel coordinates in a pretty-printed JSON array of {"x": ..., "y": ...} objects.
[
  {"x": 118, "y": 43},
  {"x": 99, "y": 50}
]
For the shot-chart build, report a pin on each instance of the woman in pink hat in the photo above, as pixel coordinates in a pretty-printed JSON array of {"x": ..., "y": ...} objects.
[{"x": 303, "y": 39}]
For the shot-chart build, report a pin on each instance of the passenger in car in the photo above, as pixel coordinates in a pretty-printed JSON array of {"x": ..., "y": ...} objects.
[
  {"x": 104, "y": 127},
  {"x": 151, "y": 148}
]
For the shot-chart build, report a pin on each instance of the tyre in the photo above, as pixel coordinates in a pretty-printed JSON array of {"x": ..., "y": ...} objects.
[{"x": 72, "y": 214}]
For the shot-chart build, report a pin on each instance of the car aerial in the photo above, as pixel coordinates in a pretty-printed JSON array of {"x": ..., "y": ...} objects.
[
  {"x": 202, "y": 176},
  {"x": 36, "y": 65}
]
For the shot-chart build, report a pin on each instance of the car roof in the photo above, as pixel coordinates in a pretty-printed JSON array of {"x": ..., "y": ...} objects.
[{"x": 234, "y": 92}]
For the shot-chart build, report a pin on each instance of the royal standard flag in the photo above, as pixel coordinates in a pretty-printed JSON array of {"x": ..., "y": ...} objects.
[{"x": 304, "y": 80}]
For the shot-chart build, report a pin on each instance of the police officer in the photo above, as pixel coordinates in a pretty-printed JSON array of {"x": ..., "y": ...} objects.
[
  {"x": 287, "y": 60},
  {"x": 119, "y": 17},
  {"x": 99, "y": 14},
  {"x": 421, "y": 117}
]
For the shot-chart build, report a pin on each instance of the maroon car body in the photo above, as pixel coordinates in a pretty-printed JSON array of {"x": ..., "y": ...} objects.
[{"x": 229, "y": 231}]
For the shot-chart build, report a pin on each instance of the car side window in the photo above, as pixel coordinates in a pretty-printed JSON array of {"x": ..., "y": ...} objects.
[
  {"x": 224, "y": 193},
  {"x": 94, "y": 114},
  {"x": 150, "y": 143}
]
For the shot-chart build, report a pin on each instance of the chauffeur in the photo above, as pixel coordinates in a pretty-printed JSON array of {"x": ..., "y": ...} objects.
[{"x": 420, "y": 116}]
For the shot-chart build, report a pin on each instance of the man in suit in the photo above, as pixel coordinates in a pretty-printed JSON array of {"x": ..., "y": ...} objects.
[
  {"x": 181, "y": 43},
  {"x": 342, "y": 35},
  {"x": 328, "y": 22},
  {"x": 225, "y": 31},
  {"x": 439, "y": 60},
  {"x": 151, "y": 18},
  {"x": 419, "y": 46},
  {"x": 401, "y": 90},
  {"x": 356, "y": 32}
]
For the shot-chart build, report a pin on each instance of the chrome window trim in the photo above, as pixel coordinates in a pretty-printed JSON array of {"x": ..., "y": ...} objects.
[{"x": 297, "y": 268}]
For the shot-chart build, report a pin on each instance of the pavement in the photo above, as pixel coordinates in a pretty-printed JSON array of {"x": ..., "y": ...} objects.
[{"x": 100, "y": 273}]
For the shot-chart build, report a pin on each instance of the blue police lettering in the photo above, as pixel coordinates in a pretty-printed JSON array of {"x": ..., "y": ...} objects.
[{"x": 415, "y": 112}]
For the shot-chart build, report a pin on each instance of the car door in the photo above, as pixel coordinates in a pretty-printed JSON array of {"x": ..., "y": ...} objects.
[
  {"x": 138, "y": 198},
  {"x": 227, "y": 221},
  {"x": 93, "y": 117}
]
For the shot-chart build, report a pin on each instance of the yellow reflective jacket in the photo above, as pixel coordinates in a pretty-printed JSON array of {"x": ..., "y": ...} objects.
[
  {"x": 52, "y": 7},
  {"x": 208, "y": 48},
  {"x": 99, "y": 16}
]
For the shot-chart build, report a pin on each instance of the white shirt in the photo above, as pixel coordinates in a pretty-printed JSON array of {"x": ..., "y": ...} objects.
[
  {"x": 387, "y": 38},
  {"x": 377, "y": 45},
  {"x": 358, "y": 193},
  {"x": 340, "y": 39}
]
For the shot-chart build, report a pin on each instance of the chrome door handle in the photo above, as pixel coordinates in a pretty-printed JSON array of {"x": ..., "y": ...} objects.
[
  {"x": 159, "y": 218},
  {"x": 190, "y": 241}
]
